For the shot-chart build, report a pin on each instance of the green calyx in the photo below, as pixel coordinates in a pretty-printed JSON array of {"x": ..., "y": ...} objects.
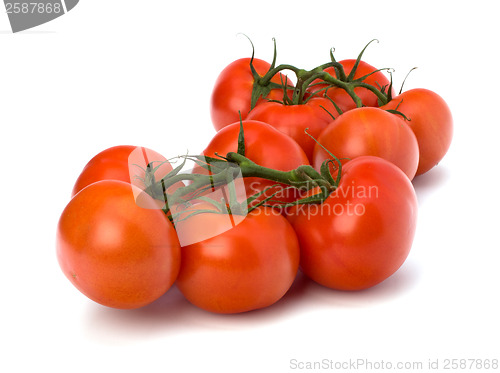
[{"x": 263, "y": 85}]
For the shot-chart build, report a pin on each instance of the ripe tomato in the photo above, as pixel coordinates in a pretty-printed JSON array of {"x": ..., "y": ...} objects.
[
  {"x": 431, "y": 121},
  {"x": 232, "y": 92},
  {"x": 364, "y": 230},
  {"x": 115, "y": 252},
  {"x": 342, "y": 98},
  {"x": 369, "y": 131},
  {"x": 124, "y": 163},
  {"x": 267, "y": 147},
  {"x": 250, "y": 266},
  {"x": 293, "y": 120}
]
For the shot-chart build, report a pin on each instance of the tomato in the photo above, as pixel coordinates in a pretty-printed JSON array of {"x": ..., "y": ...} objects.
[
  {"x": 431, "y": 121},
  {"x": 239, "y": 268},
  {"x": 267, "y": 147},
  {"x": 364, "y": 230},
  {"x": 293, "y": 120},
  {"x": 369, "y": 131},
  {"x": 124, "y": 163},
  {"x": 117, "y": 253},
  {"x": 342, "y": 98},
  {"x": 233, "y": 88}
]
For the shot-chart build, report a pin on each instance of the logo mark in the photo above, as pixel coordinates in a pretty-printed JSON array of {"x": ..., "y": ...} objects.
[{"x": 24, "y": 15}]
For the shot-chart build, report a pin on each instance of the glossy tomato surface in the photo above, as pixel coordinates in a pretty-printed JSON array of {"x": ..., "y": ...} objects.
[
  {"x": 117, "y": 253},
  {"x": 295, "y": 120},
  {"x": 364, "y": 230},
  {"x": 124, "y": 163},
  {"x": 430, "y": 119},
  {"x": 369, "y": 131},
  {"x": 248, "y": 267}
]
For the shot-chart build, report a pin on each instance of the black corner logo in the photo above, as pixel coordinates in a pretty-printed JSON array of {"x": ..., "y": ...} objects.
[{"x": 24, "y": 15}]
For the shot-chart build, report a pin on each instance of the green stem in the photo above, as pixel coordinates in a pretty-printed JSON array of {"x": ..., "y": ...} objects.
[
  {"x": 381, "y": 96},
  {"x": 198, "y": 182},
  {"x": 349, "y": 88},
  {"x": 304, "y": 176},
  {"x": 266, "y": 79},
  {"x": 262, "y": 85},
  {"x": 305, "y": 78}
]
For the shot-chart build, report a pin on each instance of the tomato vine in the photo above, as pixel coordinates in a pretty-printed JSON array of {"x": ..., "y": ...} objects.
[
  {"x": 225, "y": 169},
  {"x": 306, "y": 78}
]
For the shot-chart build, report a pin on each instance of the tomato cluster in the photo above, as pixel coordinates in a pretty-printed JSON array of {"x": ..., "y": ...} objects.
[
  {"x": 313, "y": 176},
  {"x": 348, "y": 106}
]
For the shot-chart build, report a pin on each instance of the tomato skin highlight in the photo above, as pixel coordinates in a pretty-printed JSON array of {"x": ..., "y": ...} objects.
[
  {"x": 431, "y": 121},
  {"x": 232, "y": 92},
  {"x": 363, "y": 232},
  {"x": 117, "y": 253},
  {"x": 248, "y": 267},
  {"x": 369, "y": 131},
  {"x": 294, "y": 120}
]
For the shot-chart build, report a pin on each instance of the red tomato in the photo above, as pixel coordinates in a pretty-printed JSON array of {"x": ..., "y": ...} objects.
[
  {"x": 267, "y": 147},
  {"x": 121, "y": 163},
  {"x": 342, "y": 98},
  {"x": 232, "y": 92},
  {"x": 430, "y": 120},
  {"x": 364, "y": 230},
  {"x": 369, "y": 131},
  {"x": 115, "y": 252},
  {"x": 247, "y": 267},
  {"x": 293, "y": 120}
]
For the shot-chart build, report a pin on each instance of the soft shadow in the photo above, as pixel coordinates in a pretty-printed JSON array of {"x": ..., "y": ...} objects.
[
  {"x": 389, "y": 290},
  {"x": 429, "y": 182},
  {"x": 173, "y": 314},
  {"x": 168, "y": 314}
]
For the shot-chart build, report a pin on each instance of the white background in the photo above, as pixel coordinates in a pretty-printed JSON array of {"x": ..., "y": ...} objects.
[{"x": 141, "y": 72}]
